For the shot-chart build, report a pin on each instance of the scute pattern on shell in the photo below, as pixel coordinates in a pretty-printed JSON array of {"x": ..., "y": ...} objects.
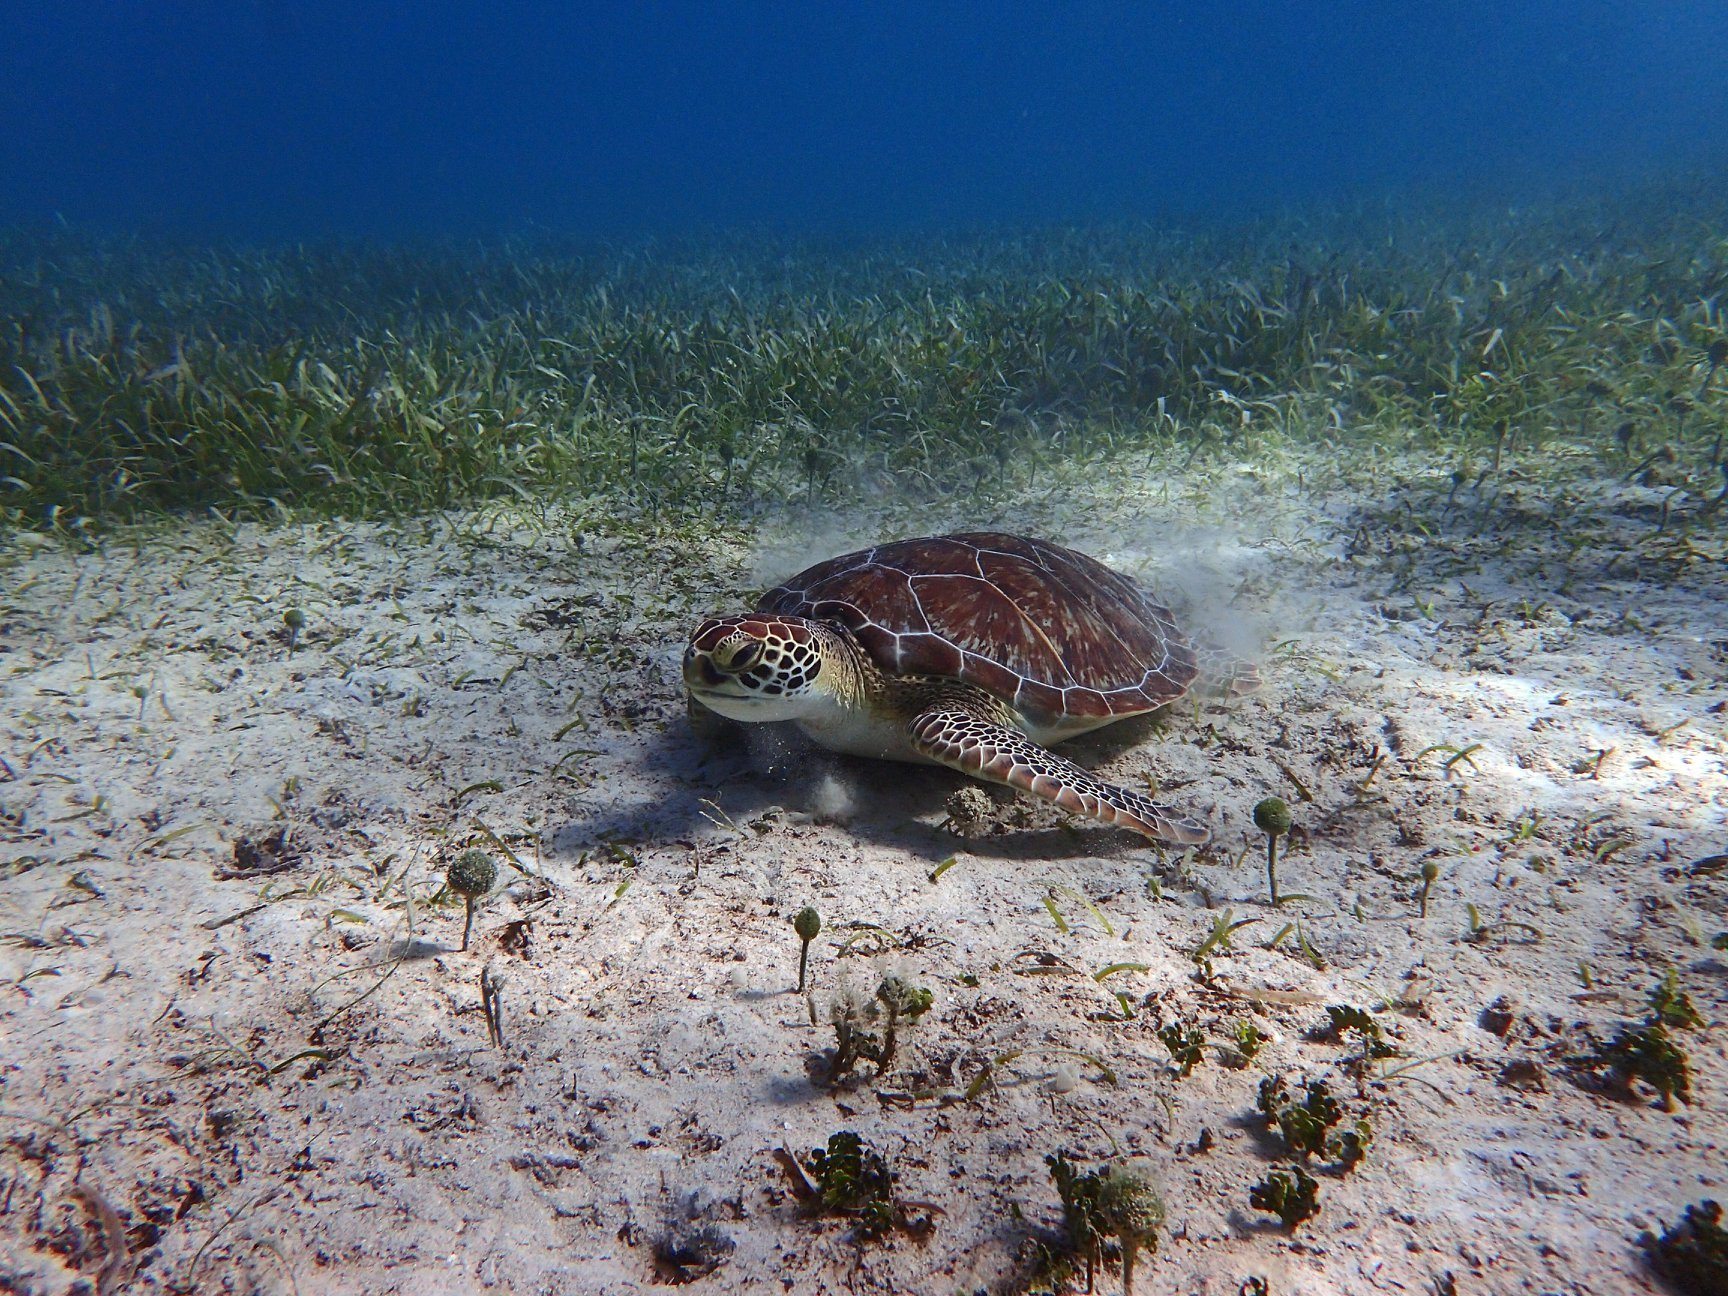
[{"x": 1046, "y": 629}]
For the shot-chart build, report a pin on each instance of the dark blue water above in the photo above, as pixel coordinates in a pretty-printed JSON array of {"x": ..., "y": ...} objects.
[{"x": 296, "y": 118}]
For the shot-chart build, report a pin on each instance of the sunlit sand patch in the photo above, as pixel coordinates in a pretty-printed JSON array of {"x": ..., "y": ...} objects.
[{"x": 483, "y": 683}]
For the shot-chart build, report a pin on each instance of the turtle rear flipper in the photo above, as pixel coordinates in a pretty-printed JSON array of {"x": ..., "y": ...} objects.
[{"x": 984, "y": 749}]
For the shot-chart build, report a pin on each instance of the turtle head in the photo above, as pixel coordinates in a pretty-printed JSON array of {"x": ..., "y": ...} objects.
[{"x": 756, "y": 667}]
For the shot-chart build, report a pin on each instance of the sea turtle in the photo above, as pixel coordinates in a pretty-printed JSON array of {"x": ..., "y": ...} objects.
[{"x": 970, "y": 651}]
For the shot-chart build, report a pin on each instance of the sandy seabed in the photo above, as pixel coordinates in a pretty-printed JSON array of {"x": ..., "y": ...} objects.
[{"x": 243, "y": 1052}]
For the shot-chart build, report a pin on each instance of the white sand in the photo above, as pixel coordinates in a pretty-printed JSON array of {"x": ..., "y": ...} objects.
[{"x": 483, "y": 680}]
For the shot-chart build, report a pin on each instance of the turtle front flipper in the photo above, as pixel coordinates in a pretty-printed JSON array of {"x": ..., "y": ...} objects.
[{"x": 993, "y": 752}]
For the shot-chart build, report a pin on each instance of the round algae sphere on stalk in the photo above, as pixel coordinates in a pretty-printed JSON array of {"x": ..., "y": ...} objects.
[
  {"x": 1131, "y": 1208},
  {"x": 808, "y": 924},
  {"x": 1272, "y": 817},
  {"x": 471, "y": 876}
]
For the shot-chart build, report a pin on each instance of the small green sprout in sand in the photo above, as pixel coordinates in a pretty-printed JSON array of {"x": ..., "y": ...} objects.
[
  {"x": 808, "y": 924},
  {"x": 492, "y": 1005},
  {"x": 851, "y": 1014},
  {"x": 855, "y": 1180},
  {"x": 897, "y": 1003},
  {"x": 471, "y": 877},
  {"x": 1430, "y": 874},
  {"x": 1351, "y": 1147},
  {"x": 293, "y": 621},
  {"x": 1341, "y": 1019},
  {"x": 1248, "y": 1040},
  {"x": 849, "y": 1177},
  {"x": 904, "y": 1003},
  {"x": 1649, "y": 1053},
  {"x": 1693, "y": 1254},
  {"x": 1304, "y": 1125},
  {"x": 1272, "y": 817},
  {"x": 1481, "y": 929},
  {"x": 1115, "y": 1202},
  {"x": 1224, "y": 926},
  {"x": 1672, "y": 1006},
  {"x": 1307, "y": 1126},
  {"x": 1292, "y": 1197},
  {"x": 1186, "y": 1044}
]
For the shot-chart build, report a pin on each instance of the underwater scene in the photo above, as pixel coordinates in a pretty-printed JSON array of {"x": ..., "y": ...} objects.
[{"x": 913, "y": 648}]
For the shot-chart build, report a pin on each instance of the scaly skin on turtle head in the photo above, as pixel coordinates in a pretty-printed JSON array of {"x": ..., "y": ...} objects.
[{"x": 758, "y": 667}]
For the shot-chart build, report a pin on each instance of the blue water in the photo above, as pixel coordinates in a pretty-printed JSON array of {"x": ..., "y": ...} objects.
[{"x": 279, "y": 118}]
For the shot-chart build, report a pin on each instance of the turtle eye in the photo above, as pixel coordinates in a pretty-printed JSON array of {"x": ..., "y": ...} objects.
[{"x": 744, "y": 657}]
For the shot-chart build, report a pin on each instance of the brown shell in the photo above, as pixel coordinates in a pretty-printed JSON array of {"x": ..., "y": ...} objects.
[{"x": 1050, "y": 631}]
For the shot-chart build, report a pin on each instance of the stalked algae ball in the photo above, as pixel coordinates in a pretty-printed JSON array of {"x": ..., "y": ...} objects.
[
  {"x": 1430, "y": 874},
  {"x": 1272, "y": 817},
  {"x": 807, "y": 923},
  {"x": 1130, "y": 1208},
  {"x": 471, "y": 876}
]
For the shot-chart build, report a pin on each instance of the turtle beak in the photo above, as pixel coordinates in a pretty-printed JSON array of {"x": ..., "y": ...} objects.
[{"x": 699, "y": 672}]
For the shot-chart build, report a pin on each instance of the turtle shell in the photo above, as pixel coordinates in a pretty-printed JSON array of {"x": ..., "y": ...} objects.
[{"x": 1050, "y": 631}]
